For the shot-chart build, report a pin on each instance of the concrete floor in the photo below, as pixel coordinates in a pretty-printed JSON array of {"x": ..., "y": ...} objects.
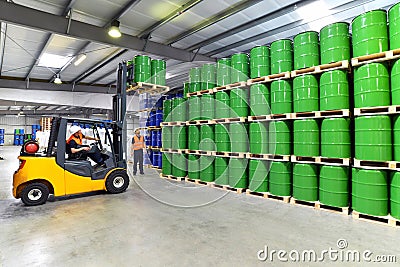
[{"x": 162, "y": 223}]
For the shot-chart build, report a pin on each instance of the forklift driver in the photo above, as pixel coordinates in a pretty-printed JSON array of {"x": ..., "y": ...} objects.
[{"x": 76, "y": 150}]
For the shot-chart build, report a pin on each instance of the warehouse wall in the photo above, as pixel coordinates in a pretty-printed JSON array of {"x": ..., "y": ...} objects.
[{"x": 9, "y": 123}]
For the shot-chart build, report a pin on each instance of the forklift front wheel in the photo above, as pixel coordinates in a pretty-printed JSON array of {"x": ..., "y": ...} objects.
[
  {"x": 117, "y": 182},
  {"x": 35, "y": 194}
]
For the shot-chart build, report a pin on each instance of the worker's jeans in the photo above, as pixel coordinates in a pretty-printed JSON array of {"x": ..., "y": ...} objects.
[{"x": 138, "y": 158}]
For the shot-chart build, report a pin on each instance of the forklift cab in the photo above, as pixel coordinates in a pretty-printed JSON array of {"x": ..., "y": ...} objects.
[{"x": 55, "y": 172}]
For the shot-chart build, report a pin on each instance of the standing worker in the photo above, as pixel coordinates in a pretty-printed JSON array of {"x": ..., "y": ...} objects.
[{"x": 137, "y": 147}]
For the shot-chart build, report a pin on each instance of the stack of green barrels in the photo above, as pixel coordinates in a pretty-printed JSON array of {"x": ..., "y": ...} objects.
[
  {"x": 375, "y": 85},
  {"x": 149, "y": 71}
]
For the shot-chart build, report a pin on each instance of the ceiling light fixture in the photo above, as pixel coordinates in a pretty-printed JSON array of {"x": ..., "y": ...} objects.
[
  {"x": 80, "y": 59},
  {"x": 57, "y": 80},
  {"x": 114, "y": 31}
]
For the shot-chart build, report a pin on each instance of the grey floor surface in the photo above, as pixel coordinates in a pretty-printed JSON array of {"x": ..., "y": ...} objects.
[{"x": 162, "y": 223}]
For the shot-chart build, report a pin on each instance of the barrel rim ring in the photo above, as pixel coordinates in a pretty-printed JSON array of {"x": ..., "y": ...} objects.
[
  {"x": 304, "y": 33},
  {"x": 284, "y": 39},
  {"x": 339, "y": 22},
  {"x": 375, "y": 10},
  {"x": 398, "y": 4}
]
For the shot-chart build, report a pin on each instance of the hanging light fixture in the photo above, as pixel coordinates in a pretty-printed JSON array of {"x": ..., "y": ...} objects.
[
  {"x": 57, "y": 80},
  {"x": 80, "y": 59},
  {"x": 114, "y": 31}
]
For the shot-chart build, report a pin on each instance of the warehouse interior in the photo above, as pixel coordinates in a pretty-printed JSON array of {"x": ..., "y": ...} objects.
[{"x": 293, "y": 149}]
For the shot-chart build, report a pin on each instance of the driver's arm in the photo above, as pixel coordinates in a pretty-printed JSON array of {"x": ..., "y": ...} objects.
[
  {"x": 76, "y": 149},
  {"x": 91, "y": 138}
]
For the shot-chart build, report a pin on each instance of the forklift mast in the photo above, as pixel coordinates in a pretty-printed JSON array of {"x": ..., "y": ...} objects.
[{"x": 119, "y": 111}]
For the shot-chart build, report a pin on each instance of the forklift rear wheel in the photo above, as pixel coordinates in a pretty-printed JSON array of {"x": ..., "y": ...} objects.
[
  {"x": 35, "y": 194},
  {"x": 117, "y": 182}
]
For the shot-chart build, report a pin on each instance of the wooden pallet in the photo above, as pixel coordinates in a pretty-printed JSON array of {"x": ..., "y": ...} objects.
[
  {"x": 236, "y": 155},
  {"x": 344, "y": 64},
  {"x": 285, "y": 158},
  {"x": 230, "y": 86},
  {"x": 229, "y": 120},
  {"x": 258, "y": 156},
  {"x": 335, "y": 161},
  {"x": 383, "y": 220},
  {"x": 311, "y": 204},
  {"x": 321, "y": 114},
  {"x": 173, "y": 151},
  {"x": 145, "y": 110},
  {"x": 153, "y": 128},
  {"x": 375, "y": 165},
  {"x": 340, "y": 210},
  {"x": 302, "y": 159},
  {"x": 192, "y": 152},
  {"x": 200, "y": 122},
  {"x": 200, "y": 93},
  {"x": 205, "y": 153},
  {"x": 171, "y": 177},
  {"x": 376, "y": 110},
  {"x": 142, "y": 87},
  {"x": 227, "y": 188},
  {"x": 378, "y": 57},
  {"x": 176, "y": 123},
  {"x": 270, "y": 117},
  {"x": 268, "y": 195},
  {"x": 221, "y": 154},
  {"x": 154, "y": 148},
  {"x": 269, "y": 78}
]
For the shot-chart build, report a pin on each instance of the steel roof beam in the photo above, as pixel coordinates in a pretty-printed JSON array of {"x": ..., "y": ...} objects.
[
  {"x": 253, "y": 23},
  {"x": 336, "y": 10},
  {"x": 214, "y": 19},
  {"x": 124, "y": 10},
  {"x": 185, "y": 7},
  {"x": 3, "y": 33}
]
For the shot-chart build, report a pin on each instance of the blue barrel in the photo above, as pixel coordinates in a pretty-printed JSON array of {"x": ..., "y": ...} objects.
[
  {"x": 1, "y": 131},
  {"x": 153, "y": 118},
  {"x": 153, "y": 138},
  {"x": 155, "y": 158},
  {"x": 159, "y": 117},
  {"x": 159, "y": 138},
  {"x": 1, "y": 142},
  {"x": 147, "y": 139},
  {"x": 159, "y": 160},
  {"x": 146, "y": 160},
  {"x": 148, "y": 121}
]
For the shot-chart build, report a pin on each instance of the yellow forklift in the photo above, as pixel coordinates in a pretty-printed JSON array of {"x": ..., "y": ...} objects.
[{"x": 54, "y": 172}]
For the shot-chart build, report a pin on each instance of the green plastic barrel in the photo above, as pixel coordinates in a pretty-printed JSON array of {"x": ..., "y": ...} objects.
[
  {"x": 334, "y": 186},
  {"x": 373, "y": 138},
  {"x": 396, "y": 138},
  {"x": 258, "y": 175},
  {"x": 166, "y": 164},
  {"x": 305, "y": 182},
  {"x": 238, "y": 176},
  {"x": 395, "y": 195},
  {"x": 221, "y": 176},
  {"x": 194, "y": 106},
  {"x": 207, "y": 138},
  {"x": 259, "y": 100},
  {"x": 207, "y": 107},
  {"x": 281, "y": 97},
  {"x": 208, "y": 76},
  {"x": 238, "y": 103},
  {"x": 334, "y": 90},
  {"x": 142, "y": 69},
  {"x": 158, "y": 71},
  {"x": 305, "y": 93},
  {"x": 281, "y": 56},
  {"x": 240, "y": 68},
  {"x": 280, "y": 178},
  {"x": 167, "y": 106},
  {"x": 335, "y": 43},
  {"x": 179, "y": 165},
  {"x": 335, "y": 138},
  {"x": 195, "y": 80},
  {"x": 222, "y": 102},
  {"x": 258, "y": 132},
  {"x": 193, "y": 166},
  {"x": 371, "y": 86},
  {"x": 223, "y": 71},
  {"x": 207, "y": 168},
  {"x": 394, "y": 26},
  {"x": 306, "y": 50},
  {"x": 222, "y": 139},
  {"x": 260, "y": 63},
  {"x": 179, "y": 109},
  {"x": 306, "y": 138},
  {"x": 166, "y": 137},
  {"x": 279, "y": 138},
  {"x": 395, "y": 83},
  {"x": 370, "y": 192},
  {"x": 179, "y": 137},
  {"x": 238, "y": 137},
  {"x": 193, "y": 137},
  {"x": 186, "y": 88},
  {"x": 370, "y": 33}
]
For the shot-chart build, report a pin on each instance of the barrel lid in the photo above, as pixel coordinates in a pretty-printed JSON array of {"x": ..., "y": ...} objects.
[
  {"x": 284, "y": 39},
  {"x": 306, "y": 32},
  {"x": 396, "y": 5},
  {"x": 339, "y": 22},
  {"x": 375, "y": 10}
]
